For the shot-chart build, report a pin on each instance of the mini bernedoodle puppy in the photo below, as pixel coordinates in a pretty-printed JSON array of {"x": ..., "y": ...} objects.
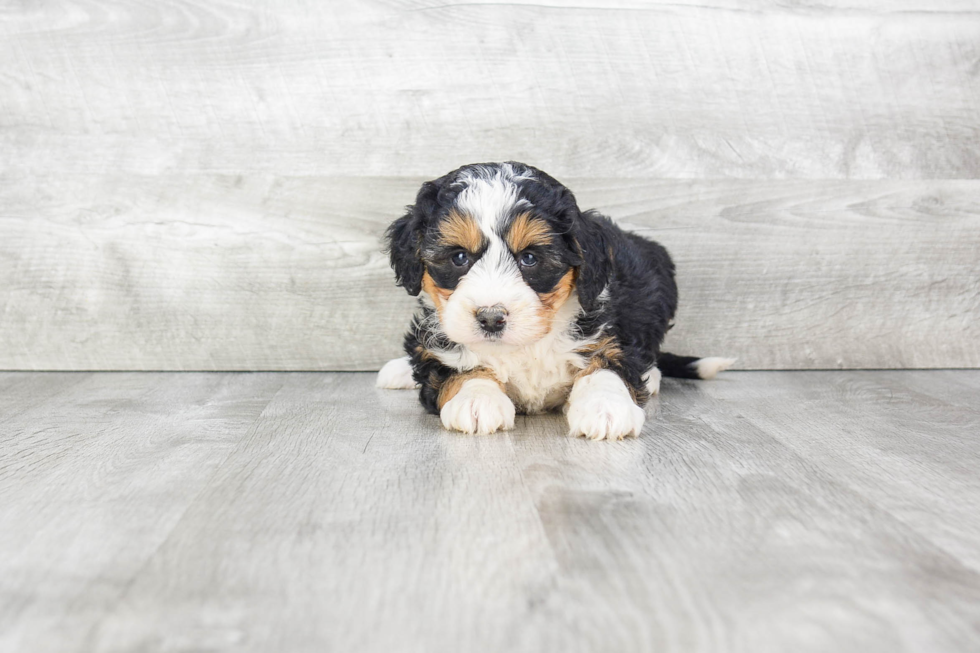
[{"x": 531, "y": 305}]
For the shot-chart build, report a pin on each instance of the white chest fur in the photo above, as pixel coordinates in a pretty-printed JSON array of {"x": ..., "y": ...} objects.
[{"x": 537, "y": 377}]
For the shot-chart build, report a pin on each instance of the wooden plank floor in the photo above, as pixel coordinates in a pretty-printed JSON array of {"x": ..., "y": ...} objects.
[{"x": 764, "y": 511}]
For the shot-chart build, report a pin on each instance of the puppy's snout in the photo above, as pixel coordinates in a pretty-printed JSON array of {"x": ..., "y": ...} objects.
[{"x": 492, "y": 319}]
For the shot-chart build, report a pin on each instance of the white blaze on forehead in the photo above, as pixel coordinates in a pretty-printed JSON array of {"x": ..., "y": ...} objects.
[
  {"x": 490, "y": 196},
  {"x": 494, "y": 279}
]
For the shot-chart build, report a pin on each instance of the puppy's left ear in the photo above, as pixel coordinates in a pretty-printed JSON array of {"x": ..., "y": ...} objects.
[
  {"x": 588, "y": 239},
  {"x": 585, "y": 233},
  {"x": 404, "y": 239}
]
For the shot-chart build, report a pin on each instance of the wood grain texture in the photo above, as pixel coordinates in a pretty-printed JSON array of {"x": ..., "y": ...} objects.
[
  {"x": 94, "y": 479},
  {"x": 862, "y": 89},
  {"x": 266, "y": 273},
  {"x": 760, "y": 512},
  {"x": 201, "y": 186},
  {"x": 937, "y": 450}
]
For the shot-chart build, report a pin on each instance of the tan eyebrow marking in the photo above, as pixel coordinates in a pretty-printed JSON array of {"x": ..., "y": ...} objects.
[
  {"x": 459, "y": 230},
  {"x": 527, "y": 231}
]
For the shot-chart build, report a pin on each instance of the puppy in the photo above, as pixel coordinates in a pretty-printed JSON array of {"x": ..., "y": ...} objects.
[{"x": 530, "y": 305}]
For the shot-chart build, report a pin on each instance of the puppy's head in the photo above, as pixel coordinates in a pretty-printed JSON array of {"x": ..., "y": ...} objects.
[{"x": 498, "y": 248}]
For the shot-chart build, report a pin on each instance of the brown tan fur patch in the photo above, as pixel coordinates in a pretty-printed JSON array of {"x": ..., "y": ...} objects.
[
  {"x": 527, "y": 231},
  {"x": 552, "y": 301},
  {"x": 602, "y": 354},
  {"x": 454, "y": 383},
  {"x": 424, "y": 353},
  {"x": 459, "y": 230},
  {"x": 439, "y": 295}
]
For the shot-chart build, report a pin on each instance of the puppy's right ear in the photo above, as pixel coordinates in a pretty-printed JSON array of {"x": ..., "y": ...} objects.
[{"x": 404, "y": 239}]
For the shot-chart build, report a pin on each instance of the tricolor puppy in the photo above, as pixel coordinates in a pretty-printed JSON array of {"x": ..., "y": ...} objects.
[{"x": 530, "y": 305}]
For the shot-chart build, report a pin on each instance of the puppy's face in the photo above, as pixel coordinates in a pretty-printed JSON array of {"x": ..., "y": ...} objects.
[
  {"x": 497, "y": 278},
  {"x": 494, "y": 249}
]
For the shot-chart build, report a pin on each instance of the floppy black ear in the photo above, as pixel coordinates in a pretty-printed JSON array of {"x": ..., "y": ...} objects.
[
  {"x": 588, "y": 232},
  {"x": 404, "y": 239},
  {"x": 585, "y": 234}
]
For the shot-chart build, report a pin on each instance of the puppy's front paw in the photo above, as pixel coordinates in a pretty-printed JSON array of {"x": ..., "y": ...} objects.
[
  {"x": 480, "y": 407},
  {"x": 601, "y": 408}
]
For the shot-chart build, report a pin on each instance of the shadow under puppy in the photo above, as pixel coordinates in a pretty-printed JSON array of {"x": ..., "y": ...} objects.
[{"x": 529, "y": 305}]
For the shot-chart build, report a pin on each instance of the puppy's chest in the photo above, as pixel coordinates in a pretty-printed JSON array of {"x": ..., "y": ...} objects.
[{"x": 537, "y": 378}]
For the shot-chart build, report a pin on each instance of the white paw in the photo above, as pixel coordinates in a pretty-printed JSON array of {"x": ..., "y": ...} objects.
[
  {"x": 652, "y": 380},
  {"x": 708, "y": 368},
  {"x": 600, "y": 408},
  {"x": 480, "y": 407},
  {"x": 396, "y": 375}
]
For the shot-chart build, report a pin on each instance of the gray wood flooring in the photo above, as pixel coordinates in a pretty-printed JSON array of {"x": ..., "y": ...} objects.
[{"x": 763, "y": 511}]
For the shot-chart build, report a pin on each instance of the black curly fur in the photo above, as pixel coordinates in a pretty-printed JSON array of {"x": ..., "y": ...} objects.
[{"x": 637, "y": 274}]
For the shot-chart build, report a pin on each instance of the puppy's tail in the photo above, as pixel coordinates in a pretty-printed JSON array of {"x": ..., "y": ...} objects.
[{"x": 690, "y": 367}]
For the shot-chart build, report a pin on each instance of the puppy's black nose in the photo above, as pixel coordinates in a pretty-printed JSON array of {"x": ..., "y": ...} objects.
[{"x": 492, "y": 319}]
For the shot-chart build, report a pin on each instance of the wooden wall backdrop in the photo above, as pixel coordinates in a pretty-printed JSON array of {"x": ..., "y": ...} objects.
[{"x": 202, "y": 185}]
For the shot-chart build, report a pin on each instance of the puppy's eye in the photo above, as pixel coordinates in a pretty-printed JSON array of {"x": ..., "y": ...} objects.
[
  {"x": 460, "y": 259},
  {"x": 528, "y": 259}
]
